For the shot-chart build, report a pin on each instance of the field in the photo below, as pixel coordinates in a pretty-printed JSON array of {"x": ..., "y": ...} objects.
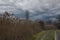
[
  {"x": 52, "y": 35},
  {"x": 16, "y": 29},
  {"x": 39, "y": 35}
]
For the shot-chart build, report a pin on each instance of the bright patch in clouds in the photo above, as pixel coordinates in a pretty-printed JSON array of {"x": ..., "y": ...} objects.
[
  {"x": 33, "y": 4},
  {"x": 38, "y": 4}
]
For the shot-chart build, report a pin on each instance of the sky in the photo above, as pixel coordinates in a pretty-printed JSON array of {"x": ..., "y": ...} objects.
[
  {"x": 49, "y": 7},
  {"x": 33, "y": 4}
]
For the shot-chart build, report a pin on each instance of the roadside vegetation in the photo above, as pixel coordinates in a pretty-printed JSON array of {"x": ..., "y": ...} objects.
[
  {"x": 39, "y": 35},
  {"x": 50, "y": 36},
  {"x": 13, "y": 28}
]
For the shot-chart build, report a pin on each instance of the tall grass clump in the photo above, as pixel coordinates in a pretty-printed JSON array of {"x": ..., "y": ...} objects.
[{"x": 16, "y": 29}]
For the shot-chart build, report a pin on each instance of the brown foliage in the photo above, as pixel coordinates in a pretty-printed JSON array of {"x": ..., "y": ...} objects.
[
  {"x": 17, "y": 29},
  {"x": 49, "y": 27}
]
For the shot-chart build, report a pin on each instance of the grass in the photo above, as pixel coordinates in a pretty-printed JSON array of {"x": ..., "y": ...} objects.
[
  {"x": 18, "y": 30},
  {"x": 50, "y": 36},
  {"x": 39, "y": 35}
]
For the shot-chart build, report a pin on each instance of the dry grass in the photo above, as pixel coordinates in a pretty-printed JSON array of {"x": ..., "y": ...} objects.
[{"x": 17, "y": 29}]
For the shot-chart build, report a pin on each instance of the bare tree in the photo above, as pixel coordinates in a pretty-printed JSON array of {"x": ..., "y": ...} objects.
[
  {"x": 58, "y": 17},
  {"x": 42, "y": 24},
  {"x": 58, "y": 22},
  {"x": 6, "y": 14}
]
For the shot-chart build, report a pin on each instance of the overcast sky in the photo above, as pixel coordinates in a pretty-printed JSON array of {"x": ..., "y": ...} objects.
[
  {"x": 33, "y": 4},
  {"x": 51, "y": 6}
]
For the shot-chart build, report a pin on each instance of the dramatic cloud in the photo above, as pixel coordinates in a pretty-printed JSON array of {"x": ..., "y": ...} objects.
[
  {"x": 33, "y": 4},
  {"x": 38, "y": 4},
  {"x": 44, "y": 6}
]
